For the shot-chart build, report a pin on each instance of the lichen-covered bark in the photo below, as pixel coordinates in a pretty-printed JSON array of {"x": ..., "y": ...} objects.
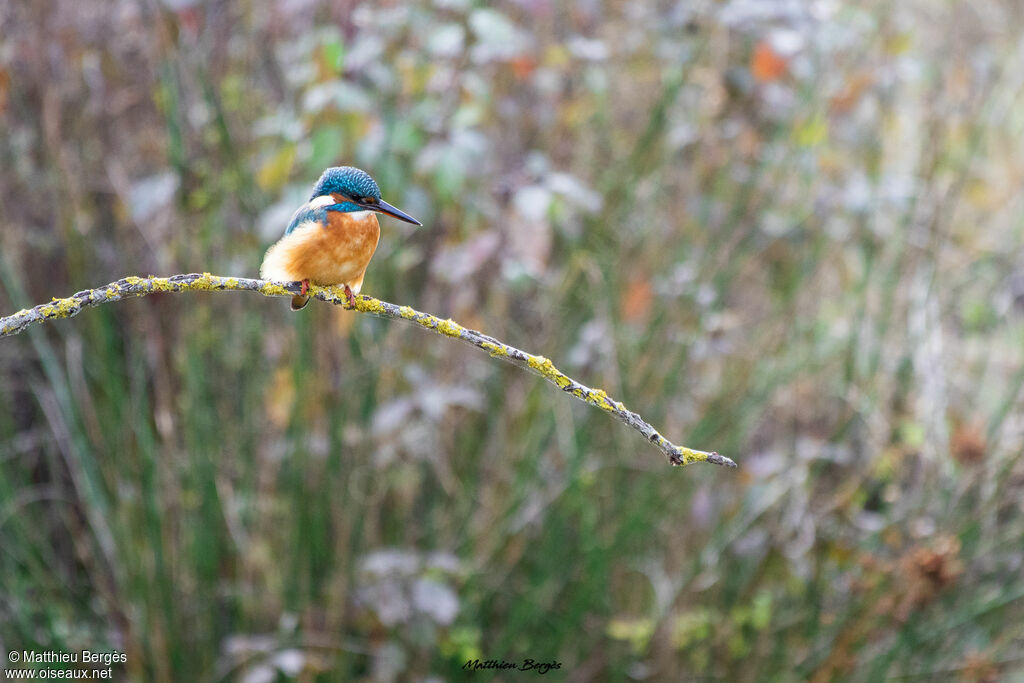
[{"x": 140, "y": 286}]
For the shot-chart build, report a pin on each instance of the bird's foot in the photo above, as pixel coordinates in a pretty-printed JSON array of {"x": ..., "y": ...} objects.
[
  {"x": 350, "y": 298},
  {"x": 305, "y": 287}
]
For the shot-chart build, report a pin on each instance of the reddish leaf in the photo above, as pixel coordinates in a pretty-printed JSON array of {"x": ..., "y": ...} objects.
[
  {"x": 636, "y": 300},
  {"x": 766, "y": 64}
]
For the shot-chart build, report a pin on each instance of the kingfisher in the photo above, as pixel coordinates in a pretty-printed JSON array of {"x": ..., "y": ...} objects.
[{"x": 331, "y": 238}]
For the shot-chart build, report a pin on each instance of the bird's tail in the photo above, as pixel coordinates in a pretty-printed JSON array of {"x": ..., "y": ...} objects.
[{"x": 299, "y": 302}]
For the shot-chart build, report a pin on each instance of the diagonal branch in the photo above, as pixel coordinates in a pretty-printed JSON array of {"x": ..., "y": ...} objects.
[{"x": 141, "y": 286}]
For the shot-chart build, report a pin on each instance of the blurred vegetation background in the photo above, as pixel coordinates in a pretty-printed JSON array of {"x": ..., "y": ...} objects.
[{"x": 790, "y": 232}]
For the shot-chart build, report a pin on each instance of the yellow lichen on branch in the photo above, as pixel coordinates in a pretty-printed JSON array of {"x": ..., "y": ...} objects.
[{"x": 205, "y": 282}]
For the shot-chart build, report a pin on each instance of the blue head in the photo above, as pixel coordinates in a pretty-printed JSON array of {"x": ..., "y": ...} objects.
[{"x": 353, "y": 189}]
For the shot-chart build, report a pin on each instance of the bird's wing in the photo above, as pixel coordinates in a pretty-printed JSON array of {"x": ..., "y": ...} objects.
[{"x": 315, "y": 210}]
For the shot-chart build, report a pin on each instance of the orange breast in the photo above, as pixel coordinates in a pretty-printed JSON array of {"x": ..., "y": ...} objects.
[{"x": 334, "y": 254}]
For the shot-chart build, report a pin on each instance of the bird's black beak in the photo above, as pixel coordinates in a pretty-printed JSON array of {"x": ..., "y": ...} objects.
[{"x": 381, "y": 206}]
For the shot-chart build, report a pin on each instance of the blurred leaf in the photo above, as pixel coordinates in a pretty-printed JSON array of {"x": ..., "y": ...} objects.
[
  {"x": 450, "y": 175},
  {"x": 523, "y": 66},
  {"x": 333, "y": 52},
  {"x": 691, "y": 628},
  {"x": 637, "y": 631},
  {"x": 636, "y": 299},
  {"x": 449, "y": 162},
  {"x": 274, "y": 173},
  {"x": 898, "y": 43},
  {"x": 152, "y": 195},
  {"x": 462, "y": 644},
  {"x": 435, "y": 599},
  {"x": 912, "y": 433},
  {"x": 327, "y": 142},
  {"x": 447, "y": 40},
  {"x": 978, "y": 314},
  {"x": 339, "y": 94},
  {"x": 852, "y": 93},
  {"x": 979, "y": 193},
  {"x": 557, "y": 56},
  {"x": 968, "y": 443},
  {"x": 761, "y": 611},
  {"x": 497, "y": 37},
  {"x": 812, "y": 132},
  {"x": 739, "y": 646},
  {"x": 5, "y": 84},
  {"x": 529, "y": 233},
  {"x": 468, "y": 115},
  {"x": 767, "y": 65},
  {"x": 406, "y": 137},
  {"x": 279, "y": 399}
]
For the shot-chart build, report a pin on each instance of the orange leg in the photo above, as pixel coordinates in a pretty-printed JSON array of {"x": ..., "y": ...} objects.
[
  {"x": 350, "y": 298},
  {"x": 305, "y": 287}
]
